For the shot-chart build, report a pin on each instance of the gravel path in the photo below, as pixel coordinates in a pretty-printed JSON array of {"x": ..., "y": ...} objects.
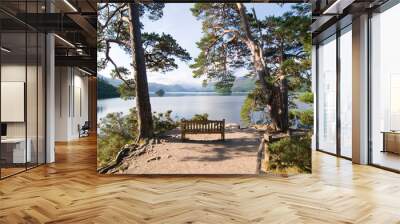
[{"x": 201, "y": 154}]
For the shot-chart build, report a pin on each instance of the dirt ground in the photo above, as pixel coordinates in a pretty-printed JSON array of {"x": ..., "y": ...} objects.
[{"x": 200, "y": 154}]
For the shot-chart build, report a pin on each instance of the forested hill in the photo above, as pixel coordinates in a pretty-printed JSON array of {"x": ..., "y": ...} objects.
[
  {"x": 243, "y": 84},
  {"x": 110, "y": 87},
  {"x": 106, "y": 90}
]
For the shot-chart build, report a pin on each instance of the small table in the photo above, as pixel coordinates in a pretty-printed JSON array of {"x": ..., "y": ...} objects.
[{"x": 391, "y": 141}]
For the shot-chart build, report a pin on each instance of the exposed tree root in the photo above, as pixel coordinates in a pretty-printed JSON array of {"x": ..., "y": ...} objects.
[{"x": 127, "y": 152}]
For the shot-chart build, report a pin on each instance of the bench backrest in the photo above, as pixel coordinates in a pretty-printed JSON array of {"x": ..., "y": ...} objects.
[{"x": 207, "y": 126}]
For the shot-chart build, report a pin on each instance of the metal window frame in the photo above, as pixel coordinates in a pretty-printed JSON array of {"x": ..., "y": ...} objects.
[
  {"x": 381, "y": 9},
  {"x": 386, "y": 6},
  {"x": 339, "y": 32}
]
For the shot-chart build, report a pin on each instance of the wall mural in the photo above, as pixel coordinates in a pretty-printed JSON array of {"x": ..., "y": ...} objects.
[{"x": 204, "y": 88}]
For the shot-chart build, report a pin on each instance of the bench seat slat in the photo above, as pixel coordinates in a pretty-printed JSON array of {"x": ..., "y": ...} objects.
[{"x": 203, "y": 127}]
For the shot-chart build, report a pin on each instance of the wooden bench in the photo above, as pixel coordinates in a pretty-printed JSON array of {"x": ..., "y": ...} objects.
[{"x": 203, "y": 127}]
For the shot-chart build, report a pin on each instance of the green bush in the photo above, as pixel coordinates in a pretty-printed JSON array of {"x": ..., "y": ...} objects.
[
  {"x": 291, "y": 152},
  {"x": 163, "y": 122},
  {"x": 200, "y": 117},
  {"x": 307, "y": 117},
  {"x": 307, "y": 97},
  {"x": 116, "y": 130},
  {"x": 254, "y": 102},
  {"x": 293, "y": 114},
  {"x": 246, "y": 109}
]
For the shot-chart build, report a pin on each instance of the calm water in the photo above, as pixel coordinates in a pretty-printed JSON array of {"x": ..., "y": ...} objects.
[{"x": 185, "y": 105}]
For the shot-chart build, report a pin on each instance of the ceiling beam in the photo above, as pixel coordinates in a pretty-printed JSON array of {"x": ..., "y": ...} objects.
[
  {"x": 337, "y": 7},
  {"x": 78, "y": 61},
  {"x": 86, "y": 27}
]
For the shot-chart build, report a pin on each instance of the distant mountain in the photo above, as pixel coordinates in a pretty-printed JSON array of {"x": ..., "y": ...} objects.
[
  {"x": 241, "y": 84},
  {"x": 114, "y": 82},
  {"x": 106, "y": 90},
  {"x": 153, "y": 87}
]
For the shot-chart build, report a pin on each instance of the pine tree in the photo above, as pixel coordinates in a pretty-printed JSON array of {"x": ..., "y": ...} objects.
[
  {"x": 275, "y": 49},
  {"x": 119, "y": 23}
]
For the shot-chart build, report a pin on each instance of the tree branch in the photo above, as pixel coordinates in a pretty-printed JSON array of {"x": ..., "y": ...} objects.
[
  {"x": 236, "y": 34},
  {"x": 110, "y": 16},
  {"x": 116, "y": 68}
]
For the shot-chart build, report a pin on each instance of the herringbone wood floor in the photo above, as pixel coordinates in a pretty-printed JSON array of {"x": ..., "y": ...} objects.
[{"x": 70, "y": 191}]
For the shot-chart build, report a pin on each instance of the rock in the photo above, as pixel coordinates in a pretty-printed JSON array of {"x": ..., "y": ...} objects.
[
  {"x": 154, "y": 158},
  {"x": 169, "y": 156}
]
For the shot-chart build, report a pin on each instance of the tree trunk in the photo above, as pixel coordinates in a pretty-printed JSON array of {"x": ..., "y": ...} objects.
[
  {"x": 143, "y": 107},
  {"x": 284, "y": 89},
  {"x": 278, "y": 106},
  {"x": 276, "y": 95}
]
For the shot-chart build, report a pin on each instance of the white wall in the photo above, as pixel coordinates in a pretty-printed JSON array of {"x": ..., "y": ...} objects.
[
  {"x": 12, "y": 73},
  {"x": 71, "y": 102},
  {"x": 17, "y": 73},
  {"x": 61, "y": 103},
  {"x": 33, "y": 126},
  {"x": 13, "y": 101}
]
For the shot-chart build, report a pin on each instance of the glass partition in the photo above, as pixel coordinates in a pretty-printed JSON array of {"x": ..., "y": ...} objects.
[
  {"x": 346, "y": 92},
  {"x": 22, "y": 101},
  {"x": 385, "y": 89},
  {"x": 13, "y": 95},
  {"x": 327, "y": 95}
]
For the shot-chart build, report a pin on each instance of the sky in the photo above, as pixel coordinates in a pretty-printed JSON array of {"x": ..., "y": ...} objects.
[{"x": 186, "y": 29}]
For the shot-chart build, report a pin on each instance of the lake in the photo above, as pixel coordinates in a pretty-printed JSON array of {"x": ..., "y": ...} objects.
[{"x": 185, "y": 105}]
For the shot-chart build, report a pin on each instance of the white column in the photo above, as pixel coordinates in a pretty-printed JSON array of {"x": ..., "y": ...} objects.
[
  {"x": 62, "y": 100},
  {"x": 50, "y": 92},
  {"x": 360, "y": 90}
]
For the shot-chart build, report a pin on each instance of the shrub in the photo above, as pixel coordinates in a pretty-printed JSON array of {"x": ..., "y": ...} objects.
[
  {"x": 307, "y": 117},
  {"x": 200, "y": 117},
  {"x": 116, "y": 130},
  {"x": 307, "y": 97},
  {"x": 293, "y": 114},
  {"x": 254, "y": 102},
  {"x": 246, "y": 110},
  {"x": 291, "y": 152},
  {"x": 163, "y": 122}
]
